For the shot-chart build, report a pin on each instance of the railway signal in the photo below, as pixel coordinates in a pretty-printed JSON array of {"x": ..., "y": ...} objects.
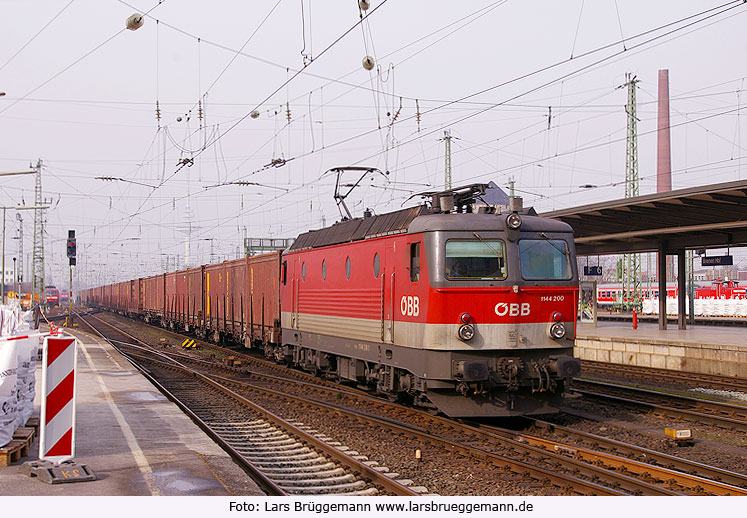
[{"x": 71, "y": 252}]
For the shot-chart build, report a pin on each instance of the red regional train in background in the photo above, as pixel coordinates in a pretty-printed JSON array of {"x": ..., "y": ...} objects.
[
  {"x": 446, "y": 305},
  {"x": 51, "y": 295},
  {"x": 609, "y": 295}
]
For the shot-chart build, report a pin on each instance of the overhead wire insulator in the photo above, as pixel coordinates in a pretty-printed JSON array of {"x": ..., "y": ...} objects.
[
  {"x": 288, "y": 112},
  {"x": 417, "y": 113},
  {"x": 364, "y": 5},
  {"x": 134, "y": 21},
  {"x": 254, "y": 114},
  {"x": 368, "y": 63},
  {"x": 199, "y": 111},
  {"x": 158, "y": 113}
]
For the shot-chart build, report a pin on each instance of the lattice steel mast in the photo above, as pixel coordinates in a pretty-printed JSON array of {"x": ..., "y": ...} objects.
[
  {"x": 447, "y": 160},
  {"x": 37, "y": 276},
  {"x": 632, "y": 262},
  {"x": 19, "y": 272}
]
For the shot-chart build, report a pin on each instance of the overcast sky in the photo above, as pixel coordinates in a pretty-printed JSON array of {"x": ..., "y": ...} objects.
[{"x": 81, "y": 94}]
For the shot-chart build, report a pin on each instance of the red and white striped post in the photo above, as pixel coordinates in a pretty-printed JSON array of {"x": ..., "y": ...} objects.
[{"x": 57, "y": 437}]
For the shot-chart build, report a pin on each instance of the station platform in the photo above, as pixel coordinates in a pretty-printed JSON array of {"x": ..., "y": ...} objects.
[
  {"x": 135, "y": 440},
  {"x": 703, "y": 349}
]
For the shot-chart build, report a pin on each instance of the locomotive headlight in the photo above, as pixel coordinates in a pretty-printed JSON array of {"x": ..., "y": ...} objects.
[
  {"x": 557, "y": 330},
  {"x": 513, "y": 221},
  {"x": 466, "y": 332}
]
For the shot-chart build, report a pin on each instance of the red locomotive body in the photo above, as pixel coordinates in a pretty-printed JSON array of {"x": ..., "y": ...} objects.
[{"x": 383, "y": 303}]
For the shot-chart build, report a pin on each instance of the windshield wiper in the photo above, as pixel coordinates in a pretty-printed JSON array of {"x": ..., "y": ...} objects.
[
  {"x": 497, "y": 254},
  {"x": 556, "y": 247}
]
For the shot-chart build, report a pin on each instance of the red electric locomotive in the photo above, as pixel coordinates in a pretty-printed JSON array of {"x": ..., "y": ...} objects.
[{"x": 468, "y": 312}]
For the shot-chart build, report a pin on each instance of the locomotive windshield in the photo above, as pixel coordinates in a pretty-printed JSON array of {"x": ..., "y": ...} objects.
[
  {"x": 545, "y": 259},
  {"x": 473, "y": 259}
]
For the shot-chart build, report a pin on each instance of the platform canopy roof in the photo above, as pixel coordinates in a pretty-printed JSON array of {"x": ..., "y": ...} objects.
[{"x": 711, "y": 216}]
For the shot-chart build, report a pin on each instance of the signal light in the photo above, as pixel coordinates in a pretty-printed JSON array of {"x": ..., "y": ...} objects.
[{"x": 71, "y": 248}]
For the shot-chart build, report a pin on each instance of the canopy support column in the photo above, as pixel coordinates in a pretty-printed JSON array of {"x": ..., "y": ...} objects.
[
  {"x": 681, "y": 290},
  {"x": 661, "y": 276}
]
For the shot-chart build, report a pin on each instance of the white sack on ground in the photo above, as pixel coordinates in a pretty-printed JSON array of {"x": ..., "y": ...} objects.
[
  {"x": 26, "y": 385},
  {"x": 8, "y": 390}
]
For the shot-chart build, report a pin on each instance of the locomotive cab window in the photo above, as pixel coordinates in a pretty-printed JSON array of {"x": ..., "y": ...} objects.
[
  {"x": 414, "y": 262},
  {"x": 544, "y": 259},
  {"x": 475, "y": 259}
]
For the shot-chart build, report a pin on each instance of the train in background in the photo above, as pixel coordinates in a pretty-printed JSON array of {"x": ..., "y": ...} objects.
[
  {"x": 446, "y": 306},
  {"x": 611, "y": 295},
  {"x": 52, "y": 296}
]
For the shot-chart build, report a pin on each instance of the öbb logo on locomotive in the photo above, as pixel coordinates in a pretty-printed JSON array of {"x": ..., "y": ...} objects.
[
  {"x": 512, "y": 309},
  {"x": 416, "y": 305},
  {"x": 410, "y": 306}
]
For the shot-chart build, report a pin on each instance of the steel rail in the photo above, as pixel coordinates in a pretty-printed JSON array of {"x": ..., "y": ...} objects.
[
  {"x": 728, "y": 383},
  {"x": 355, "y": 465},
  {"x": 664, "y": 459},
  {"x": 539, "y": 473},
  {"x": 588, "y": 457},
  {"x": 267, "y": 485},
  {"x": 739, "y": 423},
  {"x": 270, "y": 365},
  {"x": 642, "y": 469}
]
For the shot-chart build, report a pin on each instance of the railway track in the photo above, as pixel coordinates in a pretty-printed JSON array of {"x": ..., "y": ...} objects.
[
  {"x": 643, "y": 462},
  {"x": 502, "y": 447},
  {"x": 688, "y": 379},
  {"x": 724, "y": 415},
  {"x": 283, "y": 457}
]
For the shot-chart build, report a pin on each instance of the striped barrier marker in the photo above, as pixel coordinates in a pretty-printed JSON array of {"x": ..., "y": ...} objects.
[
  {"x": 57, "y": 436},
  {"x": 187, "y": 344},
  {"x": 57, "y": 430}
]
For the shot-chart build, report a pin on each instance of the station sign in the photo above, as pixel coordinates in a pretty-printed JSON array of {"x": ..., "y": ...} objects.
[
  {"x": 592, "y": 270},
  {"x": 717, "y": 260}
]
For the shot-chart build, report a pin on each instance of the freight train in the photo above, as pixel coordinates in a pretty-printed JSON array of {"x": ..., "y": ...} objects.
[{"x": 448, "y": 305}]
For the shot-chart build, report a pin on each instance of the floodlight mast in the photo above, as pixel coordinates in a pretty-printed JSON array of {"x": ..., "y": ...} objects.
[{"x": 339, "y": 197}]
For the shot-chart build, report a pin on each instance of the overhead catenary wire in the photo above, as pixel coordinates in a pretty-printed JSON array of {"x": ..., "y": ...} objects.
[
  {"x": 279, "y": 88},
  {"x": 69, "y": 66},
  {"x": 36, "y": 35},
  {"x": 421, "y": 142}
]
